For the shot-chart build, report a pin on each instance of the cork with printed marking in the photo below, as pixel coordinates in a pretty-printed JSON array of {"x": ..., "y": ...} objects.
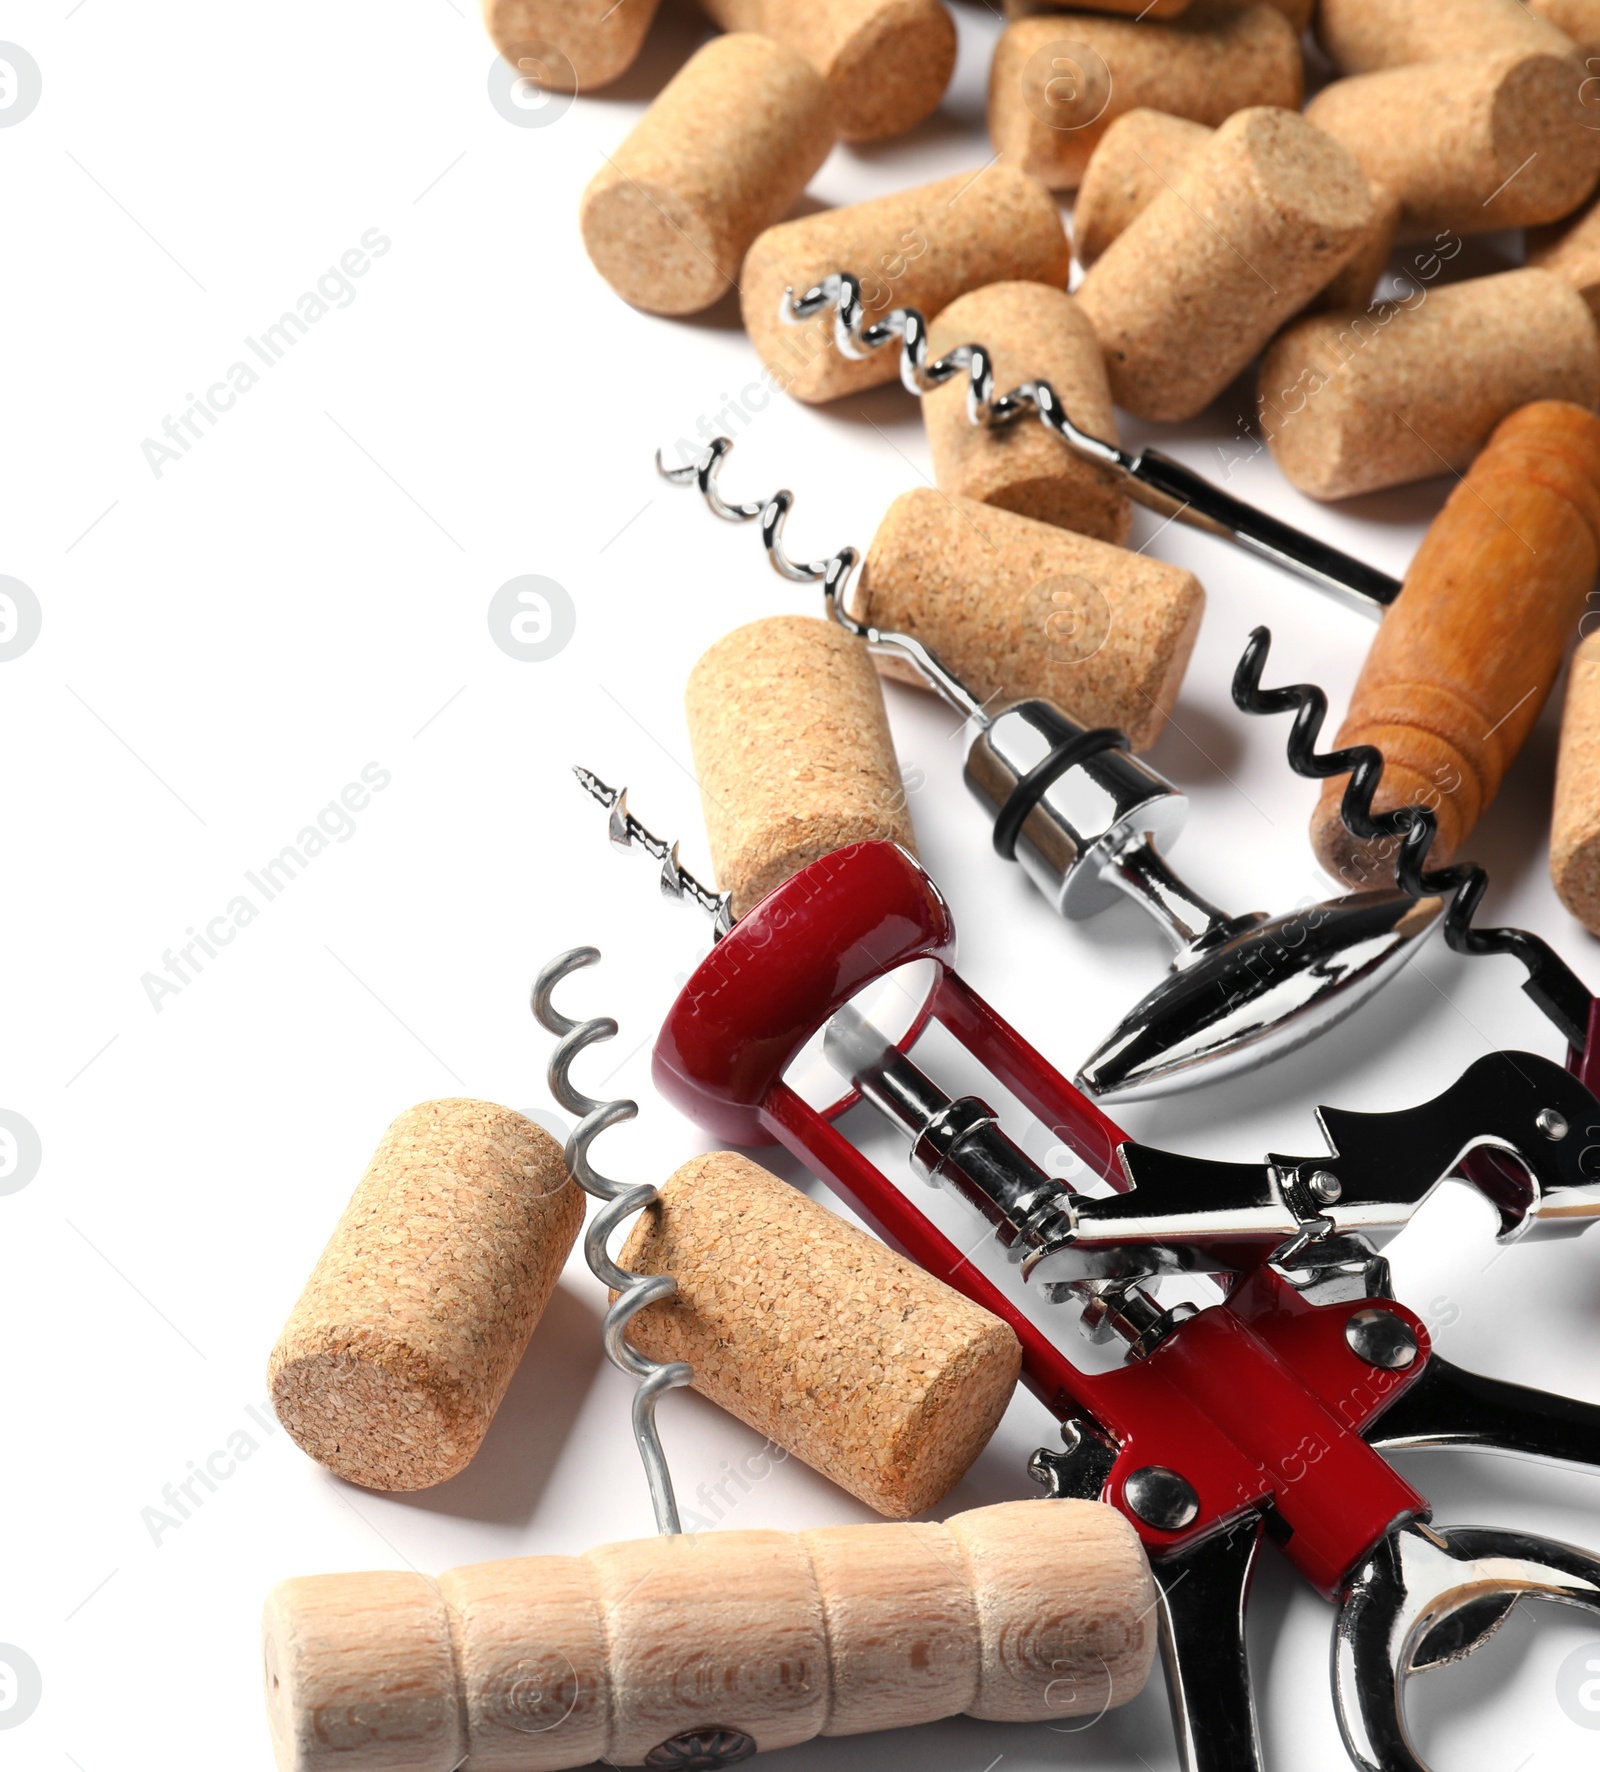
[
  {"x": 1058, "y": 82},
  {"x": 1262, "y": 217},
  {"x": 1032, "y": 332},
  {"x": 402, "y": 1344},
  {"x": 723, "y": 152},
  {"x": 1469, "y": 144},
  {"x": 1355, "y": 401},
  {"x": 1360, "y": 35},
  {"x": 812, "y": 1332},
  {"x": 792, "y": 752},
  {"x": 593, "y": 41},
  {"x": 886, "y": 63},
  {"x": 1018, "y": 608},
  {"x": 1145, "y": 152},
  {"x": 1575, "y": 829},
  {"x": 919, "y": 248}
]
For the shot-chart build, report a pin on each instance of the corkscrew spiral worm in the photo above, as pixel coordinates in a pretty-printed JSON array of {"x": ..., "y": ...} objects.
[
  {"x": 1551, "y": 983},
  {"x": 834, "y": 574},
  {"x": 619, "y": 1202}
]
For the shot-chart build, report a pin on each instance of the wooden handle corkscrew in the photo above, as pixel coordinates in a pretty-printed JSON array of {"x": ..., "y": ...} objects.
[
  {"x": 667, "y": 1651},
  {"x": 1473, "y": 644}
]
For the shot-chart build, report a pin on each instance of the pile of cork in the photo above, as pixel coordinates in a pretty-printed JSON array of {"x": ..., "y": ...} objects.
[{"x": 1218, "y": 221}]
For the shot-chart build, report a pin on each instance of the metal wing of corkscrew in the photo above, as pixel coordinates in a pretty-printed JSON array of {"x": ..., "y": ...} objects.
[
  {"x": 618, "y": 1202},
  {"x": 1150, "y": 478},
  {"x": 1551, "y": 983}
]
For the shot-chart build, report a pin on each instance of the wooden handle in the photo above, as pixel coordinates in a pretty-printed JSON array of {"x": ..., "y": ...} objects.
[
  {"x": 1469, "y": 650},
  {"x": 1023, "y": 1612}
]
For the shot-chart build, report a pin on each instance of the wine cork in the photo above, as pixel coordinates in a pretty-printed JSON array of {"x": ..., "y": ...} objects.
[
  {"x": 886, "y": 62},
  {"x": 569, "y": 45},
  {"x": 1058, "y": 83},
  {"x": 1473, "y": 644},
  {"x": 1368, "y": 398},
  {"x": 1019, "y": 609},
  {"x": 1469, "y": 144},
  {"x": 1032, "y": 332},
  {"x": 1579, "y": 19},
  {"x": 1141, "y": 154},
  {"x": 648, "y": 1652},
  {"x": 1145, "y": 152},
  {"x": 721, "y": 154},
  {"x": 1261, "y": 218},
  {"x": 1571, "y": 251},
  {"x": 792, "y": 752},
  {"x": 403, "y": 1342},
  {"x": 1157, "y": 9},
  {"x": 1360, "y": 35},
  {"x": 816, "y": 1335},
  {"x": 1575, "y": 830},
  {"x": 919, "y": 248}
]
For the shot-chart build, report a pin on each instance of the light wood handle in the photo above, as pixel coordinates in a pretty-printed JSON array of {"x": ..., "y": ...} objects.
[
  {"x": 1471, "y": 647},
  {"x": 1023, "y": 1612}
]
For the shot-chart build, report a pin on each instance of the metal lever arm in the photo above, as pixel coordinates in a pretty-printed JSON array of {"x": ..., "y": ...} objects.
[
  {"x": 1448, "y": 1406},
  {"x": 1203, "y": 1593}
]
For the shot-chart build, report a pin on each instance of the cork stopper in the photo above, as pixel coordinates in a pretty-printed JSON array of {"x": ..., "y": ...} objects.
[
  {"x": 1468, "y": 651},
  {"x": 919, "y": 248},
  {"x": 1141, "y": 154},
  {"x": 886, "y": 62},
  {"x": 402, "y": 1344},
  {"x": 1368, "y": 398},
  {"x": 1360, "y": 35},
  {"x": 1571, "y": 251},
  {"x": 816, "y": 1335},
  {"x": 1032, "y": 331},
  {"x": 1575, "y": 832},
  {"x": 595, "y": 41},
  {"x": 1263, "y": 215},
  {"x": 1156, "y": 9},
  {"x": 1057, "y": 83},
  {"x": 1469, "y": 144},
  {"x": 1018, "y": 608},
  {"x": 1580, "y": 19},
  {"x": 792, "y": 752},
  {"x": 1145, "y": 152},
  {"x": 724, "y": 151}
]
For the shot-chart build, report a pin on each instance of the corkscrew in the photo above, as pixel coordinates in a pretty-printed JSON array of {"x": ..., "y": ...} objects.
[
  {"x": 1551, "y": 983},
  {"x": 676, "y": 880},
  {"x": 618, "y": 1203},
  {"x": 1089, "y": 824},
  {"x": 1260, "y": 1415},
  {"x": 1149, "y": 477}
]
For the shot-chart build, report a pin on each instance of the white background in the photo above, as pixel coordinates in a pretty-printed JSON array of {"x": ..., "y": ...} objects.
[{"x": 225, "y": 646}]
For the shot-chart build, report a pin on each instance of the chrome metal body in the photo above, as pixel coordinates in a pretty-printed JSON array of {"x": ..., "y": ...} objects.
[
  {"x": 618, "y": 1203},
  {"x": 1088, "y": 824},
  {"x": 1150, "y": 478},
  {"x": 1428, "y": 1596}
]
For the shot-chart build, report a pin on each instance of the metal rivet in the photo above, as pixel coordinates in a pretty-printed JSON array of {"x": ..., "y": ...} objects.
[
  {"x": 1382, "y": 1339},
  {"x": 1551, "y": 1124},
  {"x": 1324, "y": 1185},
  {"x": 1161, "y": 1498}
]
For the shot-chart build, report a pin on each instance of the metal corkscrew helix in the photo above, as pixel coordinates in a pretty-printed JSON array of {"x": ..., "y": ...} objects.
[
  {"x": 1150, "y": 478},
  {"x": 619, "y": 1202},
  {"x": 1551, "y": 982},
  {"x": 1089, "y": 823}
]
